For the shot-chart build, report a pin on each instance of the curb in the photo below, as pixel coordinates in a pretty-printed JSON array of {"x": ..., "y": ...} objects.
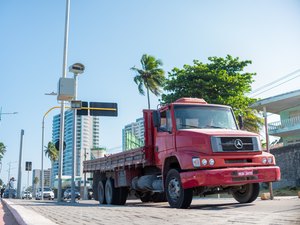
[{"x": 26, "y": 216}]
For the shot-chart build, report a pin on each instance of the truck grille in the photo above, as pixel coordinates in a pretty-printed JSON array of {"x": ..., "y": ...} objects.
[{"x": 235, "y": 144}]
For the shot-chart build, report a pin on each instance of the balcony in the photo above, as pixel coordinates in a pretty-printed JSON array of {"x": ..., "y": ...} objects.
[{"x": 285, "y": 127}]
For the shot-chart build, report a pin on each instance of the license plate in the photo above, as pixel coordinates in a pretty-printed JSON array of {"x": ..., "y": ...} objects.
[{"x": 245, "y": 173}]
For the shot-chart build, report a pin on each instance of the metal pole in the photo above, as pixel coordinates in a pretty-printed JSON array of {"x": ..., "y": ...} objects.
[
  {"x": 84, "y": 179},
  {"x": 28, "y": 179},
  {"x": 42, "y": 159},
  {"x": 74, "y": 144},
  {"x": 9, "y": 165},
  {"x": 20, "y": 166},
  {"x": 268, "y": 148},
  {"x": 62, "y": 113}
]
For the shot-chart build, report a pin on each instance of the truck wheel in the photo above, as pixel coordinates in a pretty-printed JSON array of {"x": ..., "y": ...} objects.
[
  {"x": 176, "y": 195},
  {"x": 101, "y": 192},
  {"x": 111, "y": 193},
  {"x": 96, "y": 179},
  {"x": 248, "y": 193},
  {"x": 123, "y": 194}
]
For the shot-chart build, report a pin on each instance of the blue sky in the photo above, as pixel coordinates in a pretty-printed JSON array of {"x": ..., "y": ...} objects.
[{"x": 109, "y": 37}]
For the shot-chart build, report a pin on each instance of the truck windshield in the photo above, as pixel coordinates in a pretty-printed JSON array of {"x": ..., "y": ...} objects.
[{"x": 204, "y": 117}]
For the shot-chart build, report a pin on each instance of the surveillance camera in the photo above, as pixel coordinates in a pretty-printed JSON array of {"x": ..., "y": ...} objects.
[{"x": 77, "y": 68}]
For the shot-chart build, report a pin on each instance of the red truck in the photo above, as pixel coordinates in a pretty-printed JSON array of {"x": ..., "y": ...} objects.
[{"x": 191, "y": 147}]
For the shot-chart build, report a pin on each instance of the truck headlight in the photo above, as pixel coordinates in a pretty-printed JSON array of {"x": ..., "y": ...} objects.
[
  {"x": 196, "y": 162},
  {"x": 204, "y": 162},
  {"x": 264, "y": 160},
  {"x": 270, "y": 160},
  {"x": 211, "y": 162}
]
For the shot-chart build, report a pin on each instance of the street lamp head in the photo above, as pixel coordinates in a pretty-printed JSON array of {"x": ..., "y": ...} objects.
[
  {"x": 52, "y": 93},
  {"x": 77, "y": 68}
]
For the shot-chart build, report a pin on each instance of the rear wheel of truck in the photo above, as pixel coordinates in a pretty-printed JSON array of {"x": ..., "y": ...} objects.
[
  {"x": 96, "y": 179},
  {"x": 248, "y": 193},
  {"x": 123, "y": 194},
  {"x": 112, "y": 194},
  {"x": 101, "y": 192},
  {"x": 176, "y": 195}
]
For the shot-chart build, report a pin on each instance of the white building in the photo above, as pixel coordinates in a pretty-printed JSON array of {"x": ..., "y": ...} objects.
[
  {"x": 87, "y": 137},
  {"x": 133, "y": 135}
]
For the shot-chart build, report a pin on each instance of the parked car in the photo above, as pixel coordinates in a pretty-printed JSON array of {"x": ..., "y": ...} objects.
[
  {"x": 27, "y": 195},
  {"x": 67, "y": 194},
  {"x": 13, "y": 193},
  {"x": 47, "y": 193}
]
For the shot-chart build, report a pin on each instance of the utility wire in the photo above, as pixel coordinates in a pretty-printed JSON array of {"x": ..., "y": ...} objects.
[
  {"x": 274, "y": 82},
  {"x": 276, "y": 85}
]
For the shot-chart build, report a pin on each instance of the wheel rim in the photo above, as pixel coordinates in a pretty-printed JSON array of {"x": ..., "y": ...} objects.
[
  {"x": 101, "y": 194},
  {"x": 108, "y": 192},
  {"x": 174, "y": 189}
]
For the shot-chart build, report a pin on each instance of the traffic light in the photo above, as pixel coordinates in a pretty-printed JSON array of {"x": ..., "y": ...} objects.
[
  {"x": 28, "y": 166},
  {"x": 83, "y": 112}
]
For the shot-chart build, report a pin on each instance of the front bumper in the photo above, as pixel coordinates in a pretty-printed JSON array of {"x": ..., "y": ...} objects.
[{"x": 229, "y": 176}]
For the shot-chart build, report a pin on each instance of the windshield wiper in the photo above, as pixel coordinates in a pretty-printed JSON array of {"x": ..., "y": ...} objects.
[
  {"x": 211, "y": 126},
  {"x": 186, "y": 125}
]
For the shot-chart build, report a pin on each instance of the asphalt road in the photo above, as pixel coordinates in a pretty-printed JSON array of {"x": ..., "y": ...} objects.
[{"x": 281, "y": 210}]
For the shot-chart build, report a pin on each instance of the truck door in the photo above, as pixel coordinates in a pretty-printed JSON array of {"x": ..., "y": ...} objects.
[{"x": 164, "y": 138}]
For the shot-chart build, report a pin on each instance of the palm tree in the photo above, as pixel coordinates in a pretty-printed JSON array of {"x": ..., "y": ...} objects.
[
  {"x": 51, "y": 151},
  {"x": 36, "y": 180},
  {"x": 2, "y": 150},
  {"x": 151, "y": 76}
]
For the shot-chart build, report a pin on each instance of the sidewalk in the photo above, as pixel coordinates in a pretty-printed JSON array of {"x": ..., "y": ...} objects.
[
  {"x": 14, "y": 214},
  {"x": 6, "y": 217},
  {"x": 226, "y": 211}
]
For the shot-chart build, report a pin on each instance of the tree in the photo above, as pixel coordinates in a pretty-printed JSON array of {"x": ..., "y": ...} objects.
[
  {"x": 36, "y": 180},
  {"x": 51, "y": 151},
  {"x": 2, "y": 150},
  {"x": 151, "y": 76},
  {"x": 220, "y": 81}
]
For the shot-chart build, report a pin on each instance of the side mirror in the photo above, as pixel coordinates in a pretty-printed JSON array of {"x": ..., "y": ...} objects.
[
  {"x": 156, "y": 119},
  {"x": 241, "y": 121}
]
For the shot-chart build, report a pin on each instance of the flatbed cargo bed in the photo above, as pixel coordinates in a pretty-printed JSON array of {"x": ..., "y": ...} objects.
[{"x": 135, "y": 157}]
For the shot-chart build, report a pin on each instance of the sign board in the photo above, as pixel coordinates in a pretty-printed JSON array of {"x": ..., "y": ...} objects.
[
  {"x": 103, "y": 109},
  {"x": 28, "y": 166}
]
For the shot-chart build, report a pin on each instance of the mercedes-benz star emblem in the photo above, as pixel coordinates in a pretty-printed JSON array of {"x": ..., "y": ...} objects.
[{"x": 238, "y": 143}]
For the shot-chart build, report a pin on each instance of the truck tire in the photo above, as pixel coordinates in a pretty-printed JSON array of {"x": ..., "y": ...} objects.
[
  {"x": 123, "y": 194},
  {"x": 96, "y": 179},
  {"x": 101, "y": 192},
  {"x": 248, "y": 193},
  {"x": 112, "y": 194},
  {"x": 176, "y": 195}
]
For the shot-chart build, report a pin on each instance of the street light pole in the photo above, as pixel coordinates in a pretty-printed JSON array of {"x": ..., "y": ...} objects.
[
  {"x": 62, "y": 113},
  {"x": 74, "y": 144},
  {"x": 77, "y": 69},
  {"x": 42, "y": 155},
  {"x": 20, "y": 166},
  {"x": 2, "y": 113}
]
